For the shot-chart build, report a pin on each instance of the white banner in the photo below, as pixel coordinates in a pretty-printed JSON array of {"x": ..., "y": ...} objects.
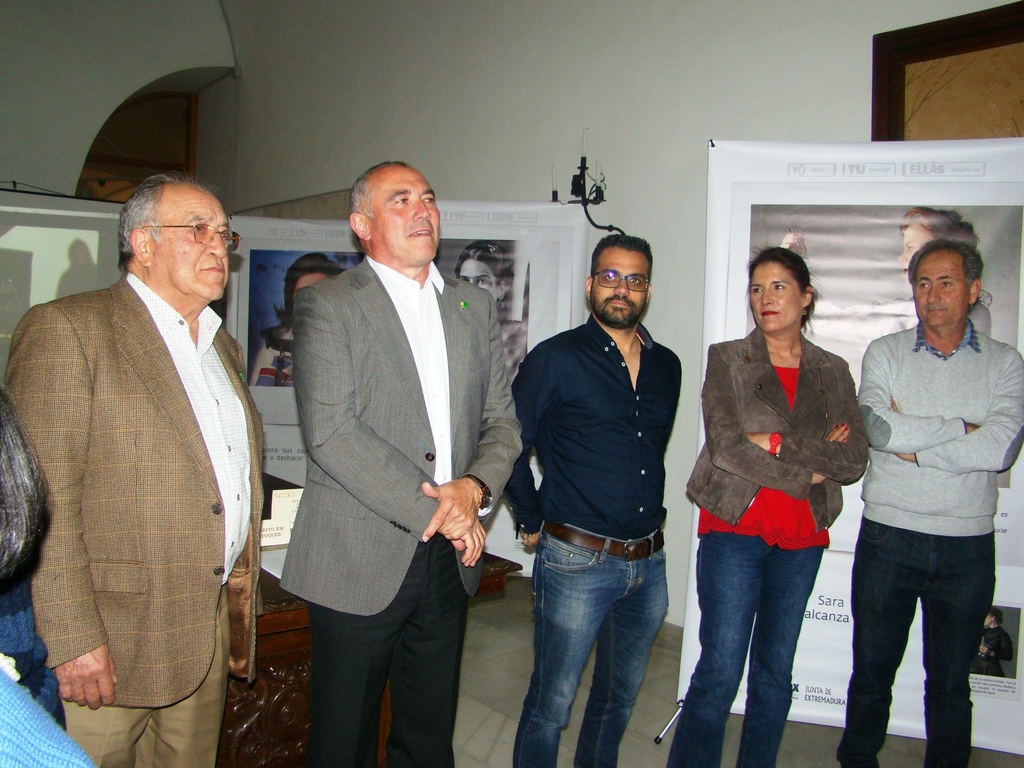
[
  {"x": 842, "y": 205},
  {"x": 541, "y": 252}
]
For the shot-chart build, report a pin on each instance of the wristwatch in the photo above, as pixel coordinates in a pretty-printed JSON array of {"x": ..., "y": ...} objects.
[
  {"x": 485, "y": 491},
  {"x": 774, "y": 443}
]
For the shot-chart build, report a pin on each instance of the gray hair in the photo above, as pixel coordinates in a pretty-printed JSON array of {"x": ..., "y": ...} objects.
[
  {"x": 969, "y": 255},
  {"x": 22, "y": 492},
  {"x": 140, "y": 208},
  {"x": 359, "y": 199}
]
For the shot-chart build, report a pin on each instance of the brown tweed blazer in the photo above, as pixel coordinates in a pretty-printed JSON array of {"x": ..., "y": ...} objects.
[{"x": 135, "y": 548}]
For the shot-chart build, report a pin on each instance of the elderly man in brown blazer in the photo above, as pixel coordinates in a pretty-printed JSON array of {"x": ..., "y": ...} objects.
[{"x": 136, "y": 402}]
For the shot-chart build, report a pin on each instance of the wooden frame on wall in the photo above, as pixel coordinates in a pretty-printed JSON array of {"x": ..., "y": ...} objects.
[{"x": 894, "y": 51}]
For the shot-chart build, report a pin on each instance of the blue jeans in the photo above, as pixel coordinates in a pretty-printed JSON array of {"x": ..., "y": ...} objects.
[
  {"x": 954, "y": 578},
  {"x": 750, "y": 594},
  {"x": 583, "y": 595}
]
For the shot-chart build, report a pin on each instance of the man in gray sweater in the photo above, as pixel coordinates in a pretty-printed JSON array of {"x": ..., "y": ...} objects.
[{"x": 944, "y": 407}]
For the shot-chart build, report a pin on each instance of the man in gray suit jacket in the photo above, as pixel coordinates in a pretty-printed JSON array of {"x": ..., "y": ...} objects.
[{"x": 411, "y": 430}]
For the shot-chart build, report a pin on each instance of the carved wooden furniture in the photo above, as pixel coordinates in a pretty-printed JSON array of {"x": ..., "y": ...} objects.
[{"x": 266, "y": 725}]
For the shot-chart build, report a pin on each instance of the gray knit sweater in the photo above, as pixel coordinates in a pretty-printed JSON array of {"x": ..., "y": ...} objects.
[{"x": 951, "y": 490}]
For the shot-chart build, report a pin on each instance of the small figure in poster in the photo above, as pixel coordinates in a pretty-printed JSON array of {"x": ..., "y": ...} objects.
[{"x": 996, "y": 646}]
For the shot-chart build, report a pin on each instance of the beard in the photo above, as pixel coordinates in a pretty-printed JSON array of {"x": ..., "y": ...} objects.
[{"x": 619, "y": 318}]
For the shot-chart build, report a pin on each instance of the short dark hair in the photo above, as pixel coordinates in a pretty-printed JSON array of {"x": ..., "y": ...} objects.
[
  {"x": 996, "y": 613},
  {"x": 795, "y": 265},
  {"x": 942, "y": 224},
  {"x": 316, "y": 263},
  {"x": 490, "y": 253},
  {"x": 626, "y": 243},
  {"x": 140, "y": 208},
  {"x": 969, "y": 255},
  {"x": 22, "y": 493},
  {"x": 359, "y": 197}
]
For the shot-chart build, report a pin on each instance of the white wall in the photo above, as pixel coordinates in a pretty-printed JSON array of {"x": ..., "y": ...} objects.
[
  {"x": 68, "y": 65},
  {"x": 484, "y": 96}
]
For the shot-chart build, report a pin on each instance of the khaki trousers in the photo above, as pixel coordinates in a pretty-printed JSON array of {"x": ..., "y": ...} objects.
[{"x": 180, "y": 735}]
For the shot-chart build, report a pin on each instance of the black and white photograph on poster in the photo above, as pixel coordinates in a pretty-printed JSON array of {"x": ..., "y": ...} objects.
[
  {"x": 275, "y": 276},
  {"x": 858, "y": 257},
  {"x": 494, "y": 266},
  {"x": 857, "y": 212},
  {"x": 994, "y": 669},
  {"x": 501, "y": 247}
]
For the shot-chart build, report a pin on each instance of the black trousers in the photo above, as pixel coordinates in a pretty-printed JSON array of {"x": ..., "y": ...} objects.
[{"x": 417, "y": 642}]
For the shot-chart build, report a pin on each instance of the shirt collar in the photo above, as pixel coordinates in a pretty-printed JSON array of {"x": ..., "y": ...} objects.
[
  {"x": 395, "y": 280},
  {"x": 167, "y": 318},
  {"x": 970, "y": 339},
  {"x": 601, "y": 334}
]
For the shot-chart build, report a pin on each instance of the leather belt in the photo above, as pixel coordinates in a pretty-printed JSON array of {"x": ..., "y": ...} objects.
[{"x": 633, "y": 549}]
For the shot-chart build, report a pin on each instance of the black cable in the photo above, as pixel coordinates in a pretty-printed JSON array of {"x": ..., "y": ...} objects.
[
  {"x": 15, "y": 187},
  {"x": 587, "y": 198},
  {"x": 586, "y": 205}
]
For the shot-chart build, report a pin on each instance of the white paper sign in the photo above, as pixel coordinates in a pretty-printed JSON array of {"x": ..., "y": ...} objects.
[{"x": 278, "y": 529}]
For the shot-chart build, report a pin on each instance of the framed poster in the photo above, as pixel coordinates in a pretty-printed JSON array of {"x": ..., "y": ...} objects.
[
  {"x": 958, "y": 78},
  {"x": 842, "y": 205}
]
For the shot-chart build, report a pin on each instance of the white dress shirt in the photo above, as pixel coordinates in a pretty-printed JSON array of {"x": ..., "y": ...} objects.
[
  {"x": 217, "y": 408},
  {"x": 421, "y": 318}
]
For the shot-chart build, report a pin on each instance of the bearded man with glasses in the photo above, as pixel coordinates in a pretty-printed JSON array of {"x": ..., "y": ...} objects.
[
  {"x": 136, "y": 402},
  {"x": 597, "y": 402}
]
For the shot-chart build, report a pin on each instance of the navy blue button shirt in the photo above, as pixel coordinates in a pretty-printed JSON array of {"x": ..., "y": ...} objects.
[{"x": 600, "y": 443}]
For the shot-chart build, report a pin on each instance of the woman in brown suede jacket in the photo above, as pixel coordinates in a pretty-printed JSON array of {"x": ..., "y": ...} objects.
[{"x": 783, "y": 433}]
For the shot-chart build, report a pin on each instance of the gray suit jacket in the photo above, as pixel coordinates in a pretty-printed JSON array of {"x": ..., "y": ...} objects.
[{"x": 370, "y": 446}]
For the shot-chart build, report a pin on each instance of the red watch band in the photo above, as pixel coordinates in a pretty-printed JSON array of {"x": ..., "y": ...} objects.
[{"x": 774, "y": 443}]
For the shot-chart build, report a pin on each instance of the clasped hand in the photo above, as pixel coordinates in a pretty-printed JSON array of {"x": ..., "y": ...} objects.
[{"x": 457, "y": 517}]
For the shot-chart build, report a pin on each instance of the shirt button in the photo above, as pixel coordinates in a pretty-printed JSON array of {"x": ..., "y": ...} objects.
[
  {"x": 238, "y": 497},
  {"x": 639, "y": 434},
  {"x": 641, "y": 509},
  {"x": 643, "y": 471},
  {"x": 219, "y": 570},
  {"x": 623, "y": 363},
  {"x": 606, "y": 349},
  {"x": 229, "y": 449},
  {"x": 217, "y": 508},
  {"x": 429, "y": 457}
]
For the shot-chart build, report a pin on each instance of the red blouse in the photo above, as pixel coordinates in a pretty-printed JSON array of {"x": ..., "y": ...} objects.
[{"x": 774, "y": 515}]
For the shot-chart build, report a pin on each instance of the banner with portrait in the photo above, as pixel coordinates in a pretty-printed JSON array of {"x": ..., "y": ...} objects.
[
  {"x": 850, "y": 209},
  {"x": 531, "y": 257}
]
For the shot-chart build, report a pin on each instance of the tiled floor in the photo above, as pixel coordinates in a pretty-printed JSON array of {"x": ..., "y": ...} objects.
[{"x": 496, "y": 670}]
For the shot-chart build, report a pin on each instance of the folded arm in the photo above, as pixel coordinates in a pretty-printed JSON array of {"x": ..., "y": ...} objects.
[
  {"x": 996, "y": 442},
  {"x": 888, "y": 429},
  {"x": 726, "y": 435},
  {"x": 842, "y": 454}
]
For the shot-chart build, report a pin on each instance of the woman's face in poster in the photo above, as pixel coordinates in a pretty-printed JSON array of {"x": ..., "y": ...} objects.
[
  {"x": 914, "y": 236},
  {"x": 480, "y": 274}
]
